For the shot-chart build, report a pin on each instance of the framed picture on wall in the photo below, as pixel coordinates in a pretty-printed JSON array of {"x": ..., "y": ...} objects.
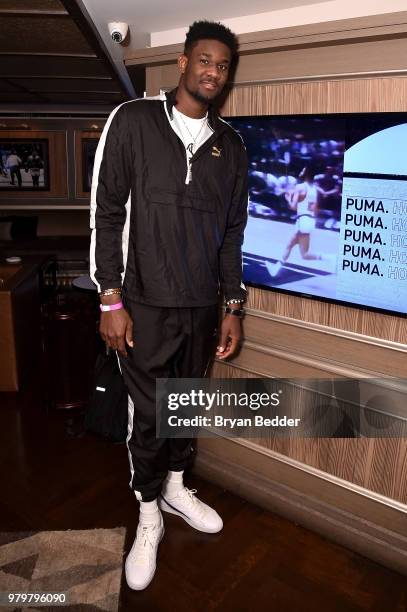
[
  {"x": 89, "y": 146},
  {"x": 24, "y": 164}
]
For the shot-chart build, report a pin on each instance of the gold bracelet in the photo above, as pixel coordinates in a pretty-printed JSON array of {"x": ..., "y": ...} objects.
[{"x": 116, "y": 291}]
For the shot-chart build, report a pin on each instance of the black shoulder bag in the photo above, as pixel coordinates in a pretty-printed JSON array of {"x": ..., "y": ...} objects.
[{"x": 107, "y": 413}]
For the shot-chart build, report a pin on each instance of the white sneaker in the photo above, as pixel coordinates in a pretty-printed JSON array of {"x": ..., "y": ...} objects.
[
  {"x": 192, "y": 510},
  {"x": 273, "y": 269},
  {"x": 141, "y": 561}
]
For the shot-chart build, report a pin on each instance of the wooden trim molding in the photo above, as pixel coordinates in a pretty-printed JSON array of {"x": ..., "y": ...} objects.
[
  {"x": 359, "y": 522},
  {"x": 330, "y": 331},
  {"x": 375, "y": 464},
  {"x": 335, "y": 480},
  {"x": 345, "y": 79},
  {"x": 371, "y": 28},
  {"x": 340, "y": 352},
  {"x": 384, "y": 396}
]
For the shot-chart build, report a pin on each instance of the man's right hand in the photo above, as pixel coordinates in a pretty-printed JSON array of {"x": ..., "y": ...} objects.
[{"x": 116, "y": 328}]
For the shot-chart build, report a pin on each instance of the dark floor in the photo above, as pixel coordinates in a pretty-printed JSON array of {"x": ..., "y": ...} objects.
[{"x": 52, "y": 480}]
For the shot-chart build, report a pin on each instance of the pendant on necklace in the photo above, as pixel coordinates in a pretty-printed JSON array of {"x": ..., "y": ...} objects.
[{"x": 189, "y": 173}]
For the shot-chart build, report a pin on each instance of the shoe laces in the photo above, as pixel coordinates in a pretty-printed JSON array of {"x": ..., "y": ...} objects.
[
  {"x": 193, "y": 502},
  {"x": 145, "y": 543}
]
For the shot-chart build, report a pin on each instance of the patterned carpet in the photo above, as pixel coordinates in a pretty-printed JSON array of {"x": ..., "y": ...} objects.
[{"x": 86, "y": 565}]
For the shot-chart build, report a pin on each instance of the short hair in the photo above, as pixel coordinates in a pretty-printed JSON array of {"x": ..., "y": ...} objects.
[{"x": 211, "y": 30}]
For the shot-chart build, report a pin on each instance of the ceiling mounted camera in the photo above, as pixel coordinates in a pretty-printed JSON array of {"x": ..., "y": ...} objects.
[{"x": 118, "y": 31}]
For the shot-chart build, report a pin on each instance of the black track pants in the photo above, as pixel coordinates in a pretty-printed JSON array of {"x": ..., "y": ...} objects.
[{"x": 168, "y": 343}]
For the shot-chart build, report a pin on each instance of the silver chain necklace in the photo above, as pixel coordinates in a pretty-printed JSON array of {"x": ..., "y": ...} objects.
[{"x": 190, "y": 147}]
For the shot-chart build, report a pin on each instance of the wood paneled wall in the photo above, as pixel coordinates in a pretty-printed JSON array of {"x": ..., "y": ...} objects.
[
  {"x": 379, "y": 465},
  {"x": 376, "y": 464},
  {"x": 327, "y": 96},
  {"x": 299, "y": 337}
]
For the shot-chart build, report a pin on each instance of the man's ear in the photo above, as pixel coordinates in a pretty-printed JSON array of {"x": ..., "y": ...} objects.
[{"x": 182, "y": 63}]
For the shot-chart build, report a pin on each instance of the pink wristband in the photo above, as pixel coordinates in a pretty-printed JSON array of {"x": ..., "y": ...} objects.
[{"x": 105, "y": 308}]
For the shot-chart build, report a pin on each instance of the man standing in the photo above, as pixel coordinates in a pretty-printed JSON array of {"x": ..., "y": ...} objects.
[
  {"x": 35, "y": 165},
  {"x": 13, "y": 164},
  {"x": 169, "y": 207}
]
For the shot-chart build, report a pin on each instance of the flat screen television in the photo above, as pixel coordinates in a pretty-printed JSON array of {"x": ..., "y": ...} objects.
[{"x": 328, "y": 207}]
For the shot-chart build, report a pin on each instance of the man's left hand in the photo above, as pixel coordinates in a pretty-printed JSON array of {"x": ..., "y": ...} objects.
[{"x": 230, "y": 334}]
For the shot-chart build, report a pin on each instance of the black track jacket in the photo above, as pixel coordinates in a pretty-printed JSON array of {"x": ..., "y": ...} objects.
[{"x": 166, "y": 242}]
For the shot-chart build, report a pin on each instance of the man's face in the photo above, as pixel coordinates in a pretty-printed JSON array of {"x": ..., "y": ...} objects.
[{"x": 205, "y": 70}]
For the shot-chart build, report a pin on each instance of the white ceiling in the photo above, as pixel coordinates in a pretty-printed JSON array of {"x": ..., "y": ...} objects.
[
  {"x": 145, "y": 17},
  {"x": 161, "y": 22}
]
